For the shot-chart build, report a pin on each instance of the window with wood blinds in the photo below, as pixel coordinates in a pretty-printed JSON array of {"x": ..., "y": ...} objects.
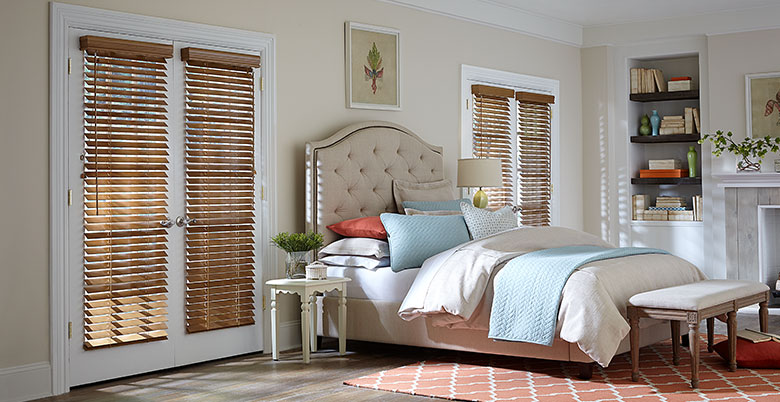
[
  {"x": 534, "y": 182},
  {"x": 220, "y": 172},
  {"x": 493, "y": 137},
  {"x": 125, "y": 159}
]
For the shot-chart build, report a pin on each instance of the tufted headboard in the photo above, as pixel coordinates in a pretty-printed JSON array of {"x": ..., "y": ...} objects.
[{"x": 350, "y": 174}]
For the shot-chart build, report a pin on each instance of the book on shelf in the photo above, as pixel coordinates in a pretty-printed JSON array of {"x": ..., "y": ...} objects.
[
  {"x": 697, "y": 207},
  {"x": 675, "y": 86},
  {"x": 697, "y": 124},
  {"x": 681, "y": 78},
  {"x": 662, "y": 173},
  {"x": 686, "y": 215},
  {"x": 757, "y": 336},
  {"x": 671, "y": 130},
  {"x": 634, "y": 80},
  {"x": 688, "y": 120},
  {"x": 657, "y": 208},
  {"x": 655, "y": 164},
  {"x": 638, "y": 203},
  {"x": 659, "y": 79},
  {"x": 647, "y": 80}
]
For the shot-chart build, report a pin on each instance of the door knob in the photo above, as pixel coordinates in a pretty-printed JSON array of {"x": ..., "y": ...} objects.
[
  {"x": 182, "y": 221},
  {"x": 167, "y": 223}
]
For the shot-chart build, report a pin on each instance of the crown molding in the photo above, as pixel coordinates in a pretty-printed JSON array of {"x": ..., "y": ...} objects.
[{"x": 486, "y": 12}]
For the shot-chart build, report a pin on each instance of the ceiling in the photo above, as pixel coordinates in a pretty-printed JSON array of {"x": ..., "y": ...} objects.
[{"x": 588, "y": 13}]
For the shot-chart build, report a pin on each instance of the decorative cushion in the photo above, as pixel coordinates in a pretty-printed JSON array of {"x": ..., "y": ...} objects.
[
  {"x": 356, "y": 261},
  {"x": 361, "y": 246},
  {"x": 369, "y": 226},
  {"x": 433, "y": 191},
  {"x": 698, "y": 295},
  {"x": 415, "y": 238},
  {"x": 411, "y": 211},
  {"x": 451, "y": 205},
  {"x": 752, "y": 355},
  {"x": 484, "y": 223}
]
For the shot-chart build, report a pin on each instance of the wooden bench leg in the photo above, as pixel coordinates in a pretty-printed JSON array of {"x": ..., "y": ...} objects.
[
  {"x": 732, "y": 331},
  {"x": 763, "y": 316},
  {"x": 675, "y": 341},
  {"x": 710, "y": 333},
  {"x": 633, "y": 321},
  {"x": 693, "y": 339}
]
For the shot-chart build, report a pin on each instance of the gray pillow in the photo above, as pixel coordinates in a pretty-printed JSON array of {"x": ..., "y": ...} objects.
[
  {"x": 484, "y": 223},
  {"x": 434, "y": 191}
]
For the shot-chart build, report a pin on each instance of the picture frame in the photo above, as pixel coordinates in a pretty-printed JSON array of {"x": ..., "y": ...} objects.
[
  {"x": 373, "y": 66},
  {"x": 762, "y": 104}
]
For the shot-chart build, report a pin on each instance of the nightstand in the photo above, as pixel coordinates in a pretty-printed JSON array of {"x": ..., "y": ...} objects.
[{"x": 307, "y": 290}]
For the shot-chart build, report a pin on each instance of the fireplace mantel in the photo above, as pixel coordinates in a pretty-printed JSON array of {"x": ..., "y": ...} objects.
[{"x": 747, "y": 179}]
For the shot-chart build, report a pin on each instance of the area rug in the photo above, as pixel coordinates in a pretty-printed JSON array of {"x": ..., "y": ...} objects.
[{"x": 475, "y": 377}]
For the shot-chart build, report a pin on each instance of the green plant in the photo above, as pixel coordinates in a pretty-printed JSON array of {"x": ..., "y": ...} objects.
[
  {"x": 747, "y": 148},
  {"x": 291, "y": 242}
]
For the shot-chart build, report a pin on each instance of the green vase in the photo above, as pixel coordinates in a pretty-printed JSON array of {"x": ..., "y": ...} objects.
[{"x": 692, "y": 161}]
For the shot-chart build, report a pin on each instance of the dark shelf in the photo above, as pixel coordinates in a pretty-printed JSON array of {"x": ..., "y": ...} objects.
[
  {"x": 665, "y": 96},
  {"x": 667, "y": 180},
  {"x": 659, "y": 139}
]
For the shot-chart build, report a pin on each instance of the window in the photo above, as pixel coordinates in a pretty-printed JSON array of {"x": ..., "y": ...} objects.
[{"x": 512, "y": 119}]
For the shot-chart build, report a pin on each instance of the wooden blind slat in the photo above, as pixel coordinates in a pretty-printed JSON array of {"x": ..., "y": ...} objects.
[
  {"x": 492, "y": 137},
  {"x": 533, "y": 164}
]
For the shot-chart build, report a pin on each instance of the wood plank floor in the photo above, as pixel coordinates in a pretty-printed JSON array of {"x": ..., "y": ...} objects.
[{"x": 256, "y": 377}]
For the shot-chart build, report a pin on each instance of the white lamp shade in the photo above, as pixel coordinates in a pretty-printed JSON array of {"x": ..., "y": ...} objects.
[{"x": 479, "y": 172}]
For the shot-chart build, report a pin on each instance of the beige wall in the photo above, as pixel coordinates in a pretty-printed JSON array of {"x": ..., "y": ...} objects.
[{"x": 310, "y": 82}]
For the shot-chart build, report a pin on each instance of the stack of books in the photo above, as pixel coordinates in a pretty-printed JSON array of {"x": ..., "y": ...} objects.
[
  {"x": 665, "y": 201},
  {"x": 647, "y": 80},
  {"x": 672, "y": 125},
  {"x": 656, "y": 164},
  {"x": 680, "y": 84},
  {"x": 638, "y": 204},
  {"x": 697, "y": 208},
  {"x": 757, "y": 336}
]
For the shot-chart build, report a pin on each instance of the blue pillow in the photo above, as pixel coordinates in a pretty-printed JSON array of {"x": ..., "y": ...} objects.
[
  {"x": 452, "y": 205},
  {"x": 414, "y": 238}
]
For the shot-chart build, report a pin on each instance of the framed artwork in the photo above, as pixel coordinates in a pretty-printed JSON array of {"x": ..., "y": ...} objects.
[
  {"x": 373, "y": 65},
  {"x": 763, "y": 104}
]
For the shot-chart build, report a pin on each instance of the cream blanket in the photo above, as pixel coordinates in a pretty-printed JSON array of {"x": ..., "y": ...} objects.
[{"x": 455, "y": 288}]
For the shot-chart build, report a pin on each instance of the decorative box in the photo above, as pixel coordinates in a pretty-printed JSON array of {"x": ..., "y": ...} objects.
[{"x": 316, "y": 271}]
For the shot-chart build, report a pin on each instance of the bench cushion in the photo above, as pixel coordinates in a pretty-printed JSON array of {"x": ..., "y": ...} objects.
[{"x": 698, "y": 295}]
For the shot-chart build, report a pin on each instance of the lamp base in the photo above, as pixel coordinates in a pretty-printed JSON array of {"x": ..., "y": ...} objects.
[{"x": 480, "y": 199}]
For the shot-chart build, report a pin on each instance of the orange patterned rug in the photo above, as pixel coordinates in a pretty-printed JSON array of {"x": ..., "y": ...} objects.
[{"x": 498, "y": 378}]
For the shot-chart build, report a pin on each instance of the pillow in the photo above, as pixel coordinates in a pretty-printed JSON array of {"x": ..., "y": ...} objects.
[
  {"x": 451, "y": 205},
  {"x": 356, "y": 261},
  {"x": 483, "y": 223},
  {"x": 433, "y": 191},
  {"x": 415, "y": 238},
  {"x": 360, "y": 246},
  {"x": 410, "y": 211},
  {"x": 752, "y": 355},
  {"x": 369, "y": 226}
]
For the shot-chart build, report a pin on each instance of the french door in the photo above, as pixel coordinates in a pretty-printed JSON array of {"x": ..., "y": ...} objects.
[{"x": 163, "y": 258}]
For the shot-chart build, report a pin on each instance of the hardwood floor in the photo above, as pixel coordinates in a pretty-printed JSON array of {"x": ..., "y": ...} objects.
[{"x": 256, "y": 377}]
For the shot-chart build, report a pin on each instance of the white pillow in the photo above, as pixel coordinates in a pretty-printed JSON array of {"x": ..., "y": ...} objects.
[
  {"x": 356, "y": 261},
  {"x": 412, "y": 211},
  {"x": 361, "y": 246},
  {"x": 483, "y": 223},
  {"x": 434, "y": 191}
]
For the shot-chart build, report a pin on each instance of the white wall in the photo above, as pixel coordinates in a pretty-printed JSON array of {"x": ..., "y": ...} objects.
[{"x": 310, "y": 82}]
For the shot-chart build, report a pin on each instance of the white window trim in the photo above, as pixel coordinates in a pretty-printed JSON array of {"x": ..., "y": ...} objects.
[
  {"x": 470, "y": 75},
  {"x": 64, "y": 17}
]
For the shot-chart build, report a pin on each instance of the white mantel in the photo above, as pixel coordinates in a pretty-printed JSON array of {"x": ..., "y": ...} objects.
[{"x": 747, "y": 179}]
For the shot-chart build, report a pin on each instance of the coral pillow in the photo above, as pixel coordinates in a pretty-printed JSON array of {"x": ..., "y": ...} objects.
[
  {"x": 370, "y": 226},
  {"x": 752, "y": 355}
]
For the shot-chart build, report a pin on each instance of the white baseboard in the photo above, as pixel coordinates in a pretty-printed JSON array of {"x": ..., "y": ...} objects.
[
  {"x": 289, "y": 335},
  {"x": 22, "y": 383}
]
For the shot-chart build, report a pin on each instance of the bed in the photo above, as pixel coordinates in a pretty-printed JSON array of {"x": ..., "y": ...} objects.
[{"x": 350, "y": 175}]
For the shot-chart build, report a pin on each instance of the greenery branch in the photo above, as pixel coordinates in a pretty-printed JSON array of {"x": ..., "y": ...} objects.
[
  {"x": 747, "y": 148},
  {"x": 292, "y": 242}
]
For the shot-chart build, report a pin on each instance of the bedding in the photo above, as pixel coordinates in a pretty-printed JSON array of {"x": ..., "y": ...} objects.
[
  {"x": 455, "y": 288},
  {"x": 360, "y": 246},
  {"x": 412, "y": 211},
  {"x": 483, "y": 222},
  {"x": 369, "y": 226},
  {"x": 415, "y": 238},
  {"x": 451, "y": 205},
  {"x": 378, "y": 284},
  {"x": 356, "y": 261},
  {"x": 441, "y": 190}
]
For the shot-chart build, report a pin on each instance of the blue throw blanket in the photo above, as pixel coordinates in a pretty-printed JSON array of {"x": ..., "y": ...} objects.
[{"x": 528, "y": 290}]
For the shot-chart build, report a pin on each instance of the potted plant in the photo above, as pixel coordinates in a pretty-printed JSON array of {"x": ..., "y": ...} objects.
[
  {"x": 299, "y": 248},
  {"x": 751, "y": 150}
]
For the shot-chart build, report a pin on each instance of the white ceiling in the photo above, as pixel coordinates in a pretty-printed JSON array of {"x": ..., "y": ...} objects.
[{"x": 588, "y": 13}]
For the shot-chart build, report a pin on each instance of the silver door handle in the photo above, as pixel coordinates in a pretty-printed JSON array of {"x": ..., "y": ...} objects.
[
  {"x": 182, "y": 221},
  {"x": 167, "y": 223}
]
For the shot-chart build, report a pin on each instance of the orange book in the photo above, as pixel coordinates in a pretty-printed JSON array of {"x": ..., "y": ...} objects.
[
  {"x": 662, "y": 173},
  {"x": 680, "y": 79}
]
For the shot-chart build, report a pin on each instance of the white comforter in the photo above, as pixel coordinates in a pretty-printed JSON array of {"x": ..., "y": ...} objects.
[{"x": 454, "y": 288}]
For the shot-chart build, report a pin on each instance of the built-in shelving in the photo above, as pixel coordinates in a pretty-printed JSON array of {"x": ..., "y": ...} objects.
[
  {"x": 665, "y": 96},
  {"x": 664, "y": 139},
  {"x": 667, "y": 223},
  {"x": 677, "y": 181}
]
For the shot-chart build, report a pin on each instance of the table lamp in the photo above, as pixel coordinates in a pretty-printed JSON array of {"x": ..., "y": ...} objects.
[{"x": 479, "y": 172}]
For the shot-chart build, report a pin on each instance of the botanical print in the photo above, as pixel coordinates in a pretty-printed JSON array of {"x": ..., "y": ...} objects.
[
  {"x": 373, "y": 67},
  {"x": 765, "y": 106}
]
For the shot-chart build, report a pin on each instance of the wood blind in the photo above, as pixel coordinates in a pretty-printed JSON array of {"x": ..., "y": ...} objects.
[
  {"x": 533, "y": 158},
  {"x": 220, "y": 171},
  {"x": 125, "y": 191},
  {"x": 492, "y": 137}
]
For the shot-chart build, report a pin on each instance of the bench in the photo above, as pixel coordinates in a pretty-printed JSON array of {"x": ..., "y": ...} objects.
[{"x": 693, "y": 303}]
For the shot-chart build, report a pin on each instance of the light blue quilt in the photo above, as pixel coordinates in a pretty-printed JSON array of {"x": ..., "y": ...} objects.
[{"x": 528, "y": 290}]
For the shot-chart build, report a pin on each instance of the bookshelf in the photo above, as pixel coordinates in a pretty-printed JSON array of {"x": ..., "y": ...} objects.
[
  {"x": 664, "y": 139},
  {"x": 665, "y": 96},
  {"x": 673, "y": 181}
]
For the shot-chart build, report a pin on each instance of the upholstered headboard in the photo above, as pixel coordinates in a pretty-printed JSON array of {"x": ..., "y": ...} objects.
[{"x": 350, "y": 174}]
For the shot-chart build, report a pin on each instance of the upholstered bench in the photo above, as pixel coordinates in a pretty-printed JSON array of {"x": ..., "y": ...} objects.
[{"x": 693, "y": 303}]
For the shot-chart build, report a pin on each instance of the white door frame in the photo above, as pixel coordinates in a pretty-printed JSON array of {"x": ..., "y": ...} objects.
[{"x": 64, "y": 17}]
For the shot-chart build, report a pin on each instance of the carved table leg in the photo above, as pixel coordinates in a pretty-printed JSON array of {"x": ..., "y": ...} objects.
[
  {"x": 274, "y": 325},
  {"x": 313, "y": 328},
  {"x": 732, "y": 331},
  {"x": 763, "y": 316},
  {"x": 343, "y": 320},
  {"x": 693, "y": 339},
  {"x": 675, "y": 341},
  {"x": 305, "y": 307}
]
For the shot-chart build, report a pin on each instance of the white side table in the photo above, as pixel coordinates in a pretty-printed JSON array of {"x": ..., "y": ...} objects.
[{"x": 307, "y": 290}]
